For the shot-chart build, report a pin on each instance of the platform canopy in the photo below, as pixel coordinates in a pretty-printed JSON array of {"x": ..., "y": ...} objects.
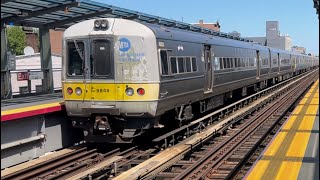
[{"x": 60, "y": 14}]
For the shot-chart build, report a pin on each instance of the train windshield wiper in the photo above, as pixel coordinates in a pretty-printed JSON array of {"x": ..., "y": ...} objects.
[
  {"x": 80, "y": 53},
  {"x": 79, "y": 50}
]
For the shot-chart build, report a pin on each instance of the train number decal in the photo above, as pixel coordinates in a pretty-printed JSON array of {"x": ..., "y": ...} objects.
[{"x": 100, "y": 90}]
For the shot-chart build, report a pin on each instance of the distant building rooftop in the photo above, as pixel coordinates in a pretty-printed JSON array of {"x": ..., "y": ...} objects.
[{"x": 214, "y": 26}]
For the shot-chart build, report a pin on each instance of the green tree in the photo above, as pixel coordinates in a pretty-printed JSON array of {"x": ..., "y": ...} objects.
[{"x": 16, "y": 39}]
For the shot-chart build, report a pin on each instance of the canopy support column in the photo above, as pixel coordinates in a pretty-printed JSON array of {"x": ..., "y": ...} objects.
[
  {"x": 6, "y": 89},
  {"x": 46, "y": 61}
]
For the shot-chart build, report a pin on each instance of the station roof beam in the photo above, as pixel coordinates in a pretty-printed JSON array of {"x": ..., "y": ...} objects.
[
  {"x": 63, "y": 23},
  {"x": 29, "y": 14}
]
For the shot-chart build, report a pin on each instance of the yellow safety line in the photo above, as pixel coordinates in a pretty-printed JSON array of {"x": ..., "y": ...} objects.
[
  {"x": 292, "y": 161},
  {"x": 31, "y": 108}
]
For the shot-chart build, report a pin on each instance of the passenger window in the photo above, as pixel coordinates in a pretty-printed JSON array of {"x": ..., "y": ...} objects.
[
  {"x": 173, "y": 65},
  {"x": 236, "y": 62},
  {"x": 274, "y": 60},
  {"x": 265, "y": 61},
  {"x": 225, "y": 63},
  {"x": 243, "y": 62},
  {"x": 251, "y": 62},
  {"x": 194, "y": 64},
  {"x": 164, "y": 62},
  {"x": 180, "y": 65},
  {"x": 216, "y": 63},
  {"x": 232, "y": 63},
  {"x": 239, "y": 62},
  {"x": 188, "y": 64},
  {"x": 221, "y": 63}
]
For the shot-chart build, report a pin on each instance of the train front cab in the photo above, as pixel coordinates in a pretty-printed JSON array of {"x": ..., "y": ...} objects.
[{"x": 110, "y": 78}]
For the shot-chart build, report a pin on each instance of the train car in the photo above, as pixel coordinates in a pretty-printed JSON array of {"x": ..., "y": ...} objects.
[{"x": 121, "y": 76}]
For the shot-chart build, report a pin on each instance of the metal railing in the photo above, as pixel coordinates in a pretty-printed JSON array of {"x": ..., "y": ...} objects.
[{"x": 23, "y": 85}]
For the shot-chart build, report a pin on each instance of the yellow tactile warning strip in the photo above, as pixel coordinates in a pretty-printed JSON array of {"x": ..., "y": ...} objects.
[
  {"x": 19, "y": 113},
  {"x": 283, "y": 157}
]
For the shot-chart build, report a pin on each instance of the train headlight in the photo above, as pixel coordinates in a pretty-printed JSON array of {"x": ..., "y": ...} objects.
[
  {"x": 97, "y": 23},
  {"x": 100, "y": 24},
  {"x": 129, "y": 91},
  {"x": 104, "y": 23},
  {"x": 78, "y": 91},
  {"x": 69, "y": 90},
  {"x": 141, "y": 91}
]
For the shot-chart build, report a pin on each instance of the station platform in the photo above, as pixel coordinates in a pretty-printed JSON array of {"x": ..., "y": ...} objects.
[
  {"x": 22, "y": 107},
  {"x": 293, "y": 153},
  {"x": 32, "y": 126}
]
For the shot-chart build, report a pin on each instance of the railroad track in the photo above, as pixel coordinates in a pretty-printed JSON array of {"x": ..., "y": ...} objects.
[
  {"x": 82, "y": 161},
  {"x": 212, "y": 146}
]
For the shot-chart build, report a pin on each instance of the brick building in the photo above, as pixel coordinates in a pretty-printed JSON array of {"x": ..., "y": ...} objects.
[
  {"x": 213, "y": 26},
  {"x": 55, "y": 40}
]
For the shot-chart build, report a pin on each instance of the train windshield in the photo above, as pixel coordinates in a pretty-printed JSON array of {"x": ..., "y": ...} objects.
[{"x": 75, "y": 56}]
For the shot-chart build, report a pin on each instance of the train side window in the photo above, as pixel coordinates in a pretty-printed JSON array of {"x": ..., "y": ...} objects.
[
  {"x": 164, "y": 62},
  {"x": 236, "y": 64},
  {"x": 265, "y": 61},
  {"x": 225, "y": 63},
  {"x": 188, "y": 64},
  {"x": 232, "y": 62},
  {"x": 173, "y": 65},
  {"x": 251, "y": 61},
  {"x": 274, "y": 60},
  {"x": 194, "y": 64},
  {"x": 216, "y": 63},
  {"x": 221, "y": 63},
  {"x": 180, "y": 65},
  {"x": 243, "y": 62},
  {"x": 240, "y": 63}
]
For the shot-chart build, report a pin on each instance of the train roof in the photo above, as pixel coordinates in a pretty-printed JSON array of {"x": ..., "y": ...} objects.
[
  {"x": 184, "y": 35},
  {"x": 169, "y": 33}
]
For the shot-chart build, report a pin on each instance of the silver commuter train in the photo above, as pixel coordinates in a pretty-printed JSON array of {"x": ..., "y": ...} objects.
[{"x": 120, "y": 76}]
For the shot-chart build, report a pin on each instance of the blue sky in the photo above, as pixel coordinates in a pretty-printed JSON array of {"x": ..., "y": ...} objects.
[{"x": 297, "y": 18}]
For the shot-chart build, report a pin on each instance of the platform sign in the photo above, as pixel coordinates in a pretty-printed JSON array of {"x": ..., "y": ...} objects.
[
  {"x": 22, "y": 76},
  {"x": 35, "y": 75}
]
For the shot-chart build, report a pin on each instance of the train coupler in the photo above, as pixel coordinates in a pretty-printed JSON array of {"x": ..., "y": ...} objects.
[{"x": 101, "y": 123}]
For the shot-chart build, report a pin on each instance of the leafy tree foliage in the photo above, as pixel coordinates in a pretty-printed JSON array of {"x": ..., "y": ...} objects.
[{"x": 16, "y": 39}]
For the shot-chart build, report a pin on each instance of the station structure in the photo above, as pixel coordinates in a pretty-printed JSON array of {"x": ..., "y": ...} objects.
[{"x": 32, "y": 126}]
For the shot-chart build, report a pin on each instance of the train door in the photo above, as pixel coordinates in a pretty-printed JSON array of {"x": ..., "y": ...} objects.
[
  {"x": 102, "y": 85},
  {"x": 270, "y": 62},
  {"x": 208, "y": 69},
  {"x": 278, "y": 56},
  {"x": 258, "y": 65},
  {"x": 294, "y": 63}
]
